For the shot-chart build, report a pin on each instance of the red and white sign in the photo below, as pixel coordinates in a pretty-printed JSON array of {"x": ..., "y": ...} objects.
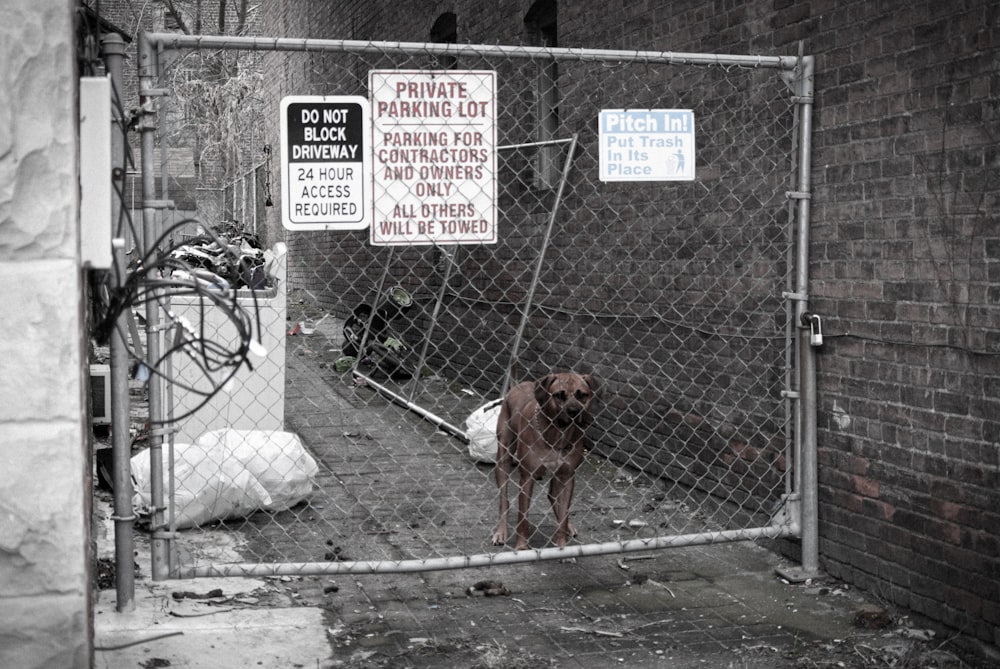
[{"x": 434, "y": 157}]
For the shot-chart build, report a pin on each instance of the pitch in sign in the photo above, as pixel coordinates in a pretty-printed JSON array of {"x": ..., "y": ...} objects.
[
  {"x": 647, "y": 145},
  {"x": 326, "y": 165}
]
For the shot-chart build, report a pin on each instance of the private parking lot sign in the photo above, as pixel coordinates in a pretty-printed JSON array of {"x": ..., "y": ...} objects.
[
  {"x": 434, "y": 155},
  {"x": 325, "y": 163}
]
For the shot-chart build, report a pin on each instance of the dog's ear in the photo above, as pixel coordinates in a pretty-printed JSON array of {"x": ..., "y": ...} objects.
[{"x": 542, "y": 393}]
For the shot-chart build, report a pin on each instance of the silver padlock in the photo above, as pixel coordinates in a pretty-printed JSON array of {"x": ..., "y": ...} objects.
[{"x": 815, "y": 331}]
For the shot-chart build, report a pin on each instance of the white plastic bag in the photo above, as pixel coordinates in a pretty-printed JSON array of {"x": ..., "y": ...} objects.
[
  {"x": 481, "y": 429},
  {"x": 276, "y": 459},
  {"x": 230, "y": 473}
]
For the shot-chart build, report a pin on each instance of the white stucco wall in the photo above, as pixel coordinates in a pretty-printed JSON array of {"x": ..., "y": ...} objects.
[{"x": 44, "y": 563}]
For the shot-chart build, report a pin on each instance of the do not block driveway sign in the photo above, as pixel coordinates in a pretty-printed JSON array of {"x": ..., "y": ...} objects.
[{"x": 325, "y": 163}]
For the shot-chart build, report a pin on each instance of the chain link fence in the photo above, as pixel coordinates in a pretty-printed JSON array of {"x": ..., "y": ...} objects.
[{"x": 673, "y": 295}]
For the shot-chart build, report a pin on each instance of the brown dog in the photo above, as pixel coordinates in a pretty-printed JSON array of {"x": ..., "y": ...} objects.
[{"x": 541, "y": 431}]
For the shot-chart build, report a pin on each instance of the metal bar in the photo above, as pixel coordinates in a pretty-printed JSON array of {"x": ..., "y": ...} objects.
[
  {"x": 790, "y": 401},
  {"x": 415, "y": 381},
  {"x": 374, "y": 310},
  {"x": 528, "y": 301},
  {"x": 807, "y": 386},
  {"x": 253, "y": 195},
  {"x": 528, "y": 145},
  {"x": 159, "y": 547},
  {"x": 113, "y": 50},
  {"x": 487, "y": 559},
  {"x": 133, "y": 330},
  {"x": 171, "y": 519},
  {"x": 412, "y": 406},
  {"x": 175, "y": 41}
]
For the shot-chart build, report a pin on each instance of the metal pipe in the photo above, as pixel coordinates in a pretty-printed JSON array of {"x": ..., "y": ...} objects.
[
  {"x": 363, "y": 344},
  {"x": 176, "y": 41},
  {"x": 529, "y": 145},
  {"x": 159, "y": 547},
  {"x": 113, "y": 51},
  {"x": 486, "y": 559},
  {"x": 529, "y": 300},
  {"x": 412, "y": 406},
  {"x": 422, "y": 359},
  {"x": 807, "y": 357}
]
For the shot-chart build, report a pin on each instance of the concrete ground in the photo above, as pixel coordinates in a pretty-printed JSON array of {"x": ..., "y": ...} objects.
[
  {"x": 717, "y": 606},
  {"x": 697, "y": 606}
]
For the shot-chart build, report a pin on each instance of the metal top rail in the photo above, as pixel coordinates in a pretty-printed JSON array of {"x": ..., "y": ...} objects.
[{"x": 176, "y": 41}]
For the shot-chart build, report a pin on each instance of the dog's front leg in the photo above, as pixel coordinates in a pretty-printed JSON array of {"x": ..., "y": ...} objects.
[
  {"x": 526, "y": 489},
  {"x": 502, "y": 474},
  {"x": 560, "y": 497}
]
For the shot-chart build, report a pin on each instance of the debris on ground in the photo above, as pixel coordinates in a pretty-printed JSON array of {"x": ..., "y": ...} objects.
[
  {"x": 488, "y": 589},
  {"x": 872, "y": 617},
  {"x": 211, "y": 594}
]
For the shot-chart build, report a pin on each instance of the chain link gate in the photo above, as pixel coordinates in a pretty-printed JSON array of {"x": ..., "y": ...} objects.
[{"x": 684, "y": 300}]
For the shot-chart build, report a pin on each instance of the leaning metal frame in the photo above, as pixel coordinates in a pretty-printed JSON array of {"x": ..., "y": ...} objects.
[{"x": 799, "y": 516}]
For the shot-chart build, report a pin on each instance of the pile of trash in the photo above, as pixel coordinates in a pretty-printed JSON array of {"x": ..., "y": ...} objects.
[
  {"x": 229, "y": 473},
  {"x": 228, "y": 260}
]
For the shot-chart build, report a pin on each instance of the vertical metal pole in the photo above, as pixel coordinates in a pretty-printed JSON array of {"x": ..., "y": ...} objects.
[
  {"x": 253, "y": 194},
  {"x": 807, "y": 359},
  {"x": 243, "y": 201},
  {"x": 415, "y": 382},
  {"x": 159, "y": 546},
  {"x": 113, "y": 49},
  {"x": 371, "y": 317},
  {"x": 538, "y": 266}
]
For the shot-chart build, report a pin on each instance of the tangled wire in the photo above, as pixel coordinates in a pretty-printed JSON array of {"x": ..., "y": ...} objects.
[{"x": 208, "y": 267}]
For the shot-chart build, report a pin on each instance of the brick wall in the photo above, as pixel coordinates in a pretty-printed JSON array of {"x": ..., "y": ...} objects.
[
  {"x": 905, "y": 256},
  {"x": 905, "y": 270}
]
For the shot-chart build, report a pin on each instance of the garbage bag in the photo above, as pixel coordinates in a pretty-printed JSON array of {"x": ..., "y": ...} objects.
[
  {"x": 481, "y": 429},
  {"x": 230, "y": 474}
]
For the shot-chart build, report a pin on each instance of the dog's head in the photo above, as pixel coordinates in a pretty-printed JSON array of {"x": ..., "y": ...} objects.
[{"x": 565, "y": 397}]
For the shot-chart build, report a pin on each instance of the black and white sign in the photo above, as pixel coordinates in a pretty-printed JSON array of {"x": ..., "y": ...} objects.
[{"x": 325, "y": 163}]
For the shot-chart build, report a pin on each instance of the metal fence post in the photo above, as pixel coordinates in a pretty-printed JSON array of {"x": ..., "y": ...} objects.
[
  {"x": 807, "y": 357},
  {"x": 810, "y": 502},
  {"x": 159, "y": 547},
  {"x": 114, "y": 55}
]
